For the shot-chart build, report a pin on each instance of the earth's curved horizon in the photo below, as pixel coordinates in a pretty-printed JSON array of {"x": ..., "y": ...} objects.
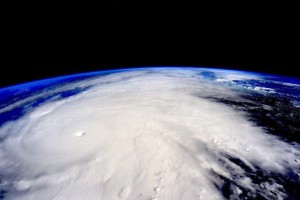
[
  {"x": 78, "y": 73},
  {"x": 151, "y": 133}
]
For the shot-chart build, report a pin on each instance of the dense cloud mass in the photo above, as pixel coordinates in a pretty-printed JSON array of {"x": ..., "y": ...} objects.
[{"x": 140, "y": 134}]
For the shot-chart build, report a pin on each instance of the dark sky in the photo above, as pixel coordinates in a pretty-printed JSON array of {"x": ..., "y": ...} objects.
[{"x": 49, "y": 40}]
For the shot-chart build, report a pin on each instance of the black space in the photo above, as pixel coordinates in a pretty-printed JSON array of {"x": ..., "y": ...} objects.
[{"x": 49, "y": 40}]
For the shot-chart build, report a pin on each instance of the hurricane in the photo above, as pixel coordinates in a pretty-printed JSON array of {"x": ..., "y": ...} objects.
[{"x": 151, "y": 133}]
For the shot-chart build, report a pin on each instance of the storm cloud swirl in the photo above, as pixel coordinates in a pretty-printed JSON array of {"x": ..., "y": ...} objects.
[{"x": 142, "y": 134}]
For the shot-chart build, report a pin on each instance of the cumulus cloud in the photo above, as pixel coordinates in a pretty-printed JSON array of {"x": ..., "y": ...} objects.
[{"x": 145, "y": 134}]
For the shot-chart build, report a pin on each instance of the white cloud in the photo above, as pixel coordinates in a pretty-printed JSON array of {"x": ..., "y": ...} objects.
[{"x": 147, "y": 134}]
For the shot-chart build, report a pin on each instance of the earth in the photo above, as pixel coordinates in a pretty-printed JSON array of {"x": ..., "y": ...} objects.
[{"x": 151, "y": 133}]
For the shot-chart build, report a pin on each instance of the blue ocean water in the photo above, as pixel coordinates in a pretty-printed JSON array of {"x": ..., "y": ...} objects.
[{"x": 41, "y": 93}]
